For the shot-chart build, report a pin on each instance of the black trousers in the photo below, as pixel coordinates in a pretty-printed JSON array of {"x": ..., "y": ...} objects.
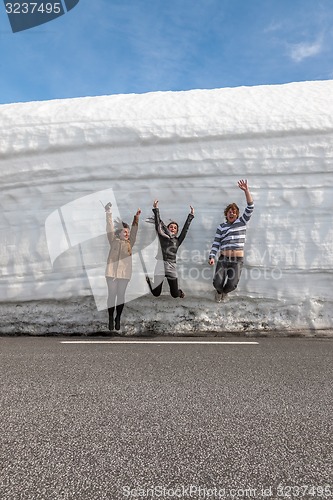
[
  {"x": 156, "y": 286},
  {"x": 227, "y": 273}
]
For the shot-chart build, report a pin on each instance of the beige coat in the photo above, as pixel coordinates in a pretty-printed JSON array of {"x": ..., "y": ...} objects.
[{"x": 119, "y": 263}]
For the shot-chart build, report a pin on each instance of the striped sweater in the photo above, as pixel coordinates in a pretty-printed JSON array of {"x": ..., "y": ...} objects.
[{"x": 231, "y": 236}]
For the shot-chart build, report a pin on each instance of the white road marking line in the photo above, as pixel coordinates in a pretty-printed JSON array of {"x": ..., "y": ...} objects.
[{"x": 155, "y": 342}]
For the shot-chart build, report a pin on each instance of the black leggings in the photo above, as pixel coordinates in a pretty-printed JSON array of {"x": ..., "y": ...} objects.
[{"x": 156, "y": 289}]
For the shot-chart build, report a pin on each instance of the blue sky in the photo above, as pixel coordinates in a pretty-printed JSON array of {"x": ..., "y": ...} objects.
[{"x": 104, "y": 47}]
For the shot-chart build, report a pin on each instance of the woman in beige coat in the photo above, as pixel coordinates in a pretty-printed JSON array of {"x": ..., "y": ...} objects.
[{"x": 119, "y": 264}]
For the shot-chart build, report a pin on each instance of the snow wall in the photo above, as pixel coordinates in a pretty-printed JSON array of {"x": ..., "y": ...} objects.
[{"x": 60, "y": 159}]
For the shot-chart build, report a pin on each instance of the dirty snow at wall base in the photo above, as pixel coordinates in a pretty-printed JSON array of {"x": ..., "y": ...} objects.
[{"x": 61, "y": 159}]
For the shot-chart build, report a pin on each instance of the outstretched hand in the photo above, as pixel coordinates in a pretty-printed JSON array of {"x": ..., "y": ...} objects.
[
  {"x": 138, "y": 212},
  {"x": 242, "y": 184},
  {"x": 155, "y": 204},
  {"x": 192, "y": 210}
]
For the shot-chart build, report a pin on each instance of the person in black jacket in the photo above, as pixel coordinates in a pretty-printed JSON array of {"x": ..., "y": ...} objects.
[{"x": 166, "y": 258}]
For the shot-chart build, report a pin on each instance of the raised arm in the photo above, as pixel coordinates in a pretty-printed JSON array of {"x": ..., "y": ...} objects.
[
  {"x": 242, "y": 184},
  {"x": 109, "y": 223},
  {"x": 156, "y": 211},
  {"x": 134, "y": 227},
  {"x": 186, "y": 226},
  {"x": 246, "y": 216}
]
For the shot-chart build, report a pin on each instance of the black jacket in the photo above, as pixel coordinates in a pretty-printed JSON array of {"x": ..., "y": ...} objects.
[{"x": 169, "y": 246}]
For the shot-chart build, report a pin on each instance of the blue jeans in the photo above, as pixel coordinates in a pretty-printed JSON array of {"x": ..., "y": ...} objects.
[{"x": 227, "y": 273}]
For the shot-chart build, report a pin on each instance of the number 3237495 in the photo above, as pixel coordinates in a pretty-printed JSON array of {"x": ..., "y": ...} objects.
[{"x": 33, "y": 7}]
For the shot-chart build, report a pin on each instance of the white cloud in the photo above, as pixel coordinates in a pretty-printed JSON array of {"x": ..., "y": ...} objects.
[
  {"x": 301, "y": 51},
  {"x": 274, "y": 27}
]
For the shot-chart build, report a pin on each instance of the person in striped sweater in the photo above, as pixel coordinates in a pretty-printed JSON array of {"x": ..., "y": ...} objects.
[{"x": 228, "y": 246}]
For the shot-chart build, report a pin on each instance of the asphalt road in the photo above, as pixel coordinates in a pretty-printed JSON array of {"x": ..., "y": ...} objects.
[{"x": 94, "y": 421}]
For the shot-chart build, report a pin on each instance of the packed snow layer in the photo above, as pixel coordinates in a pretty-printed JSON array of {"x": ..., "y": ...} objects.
[{"x": 61, "y": 159}]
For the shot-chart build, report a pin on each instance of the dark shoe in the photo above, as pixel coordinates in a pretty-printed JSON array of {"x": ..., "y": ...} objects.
[
  {"x": 111, "y": 322},
  {"x": 149, "y": 283},
  {"x": 117, "y": 323},
  {"x": 181, "y": 294}
]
